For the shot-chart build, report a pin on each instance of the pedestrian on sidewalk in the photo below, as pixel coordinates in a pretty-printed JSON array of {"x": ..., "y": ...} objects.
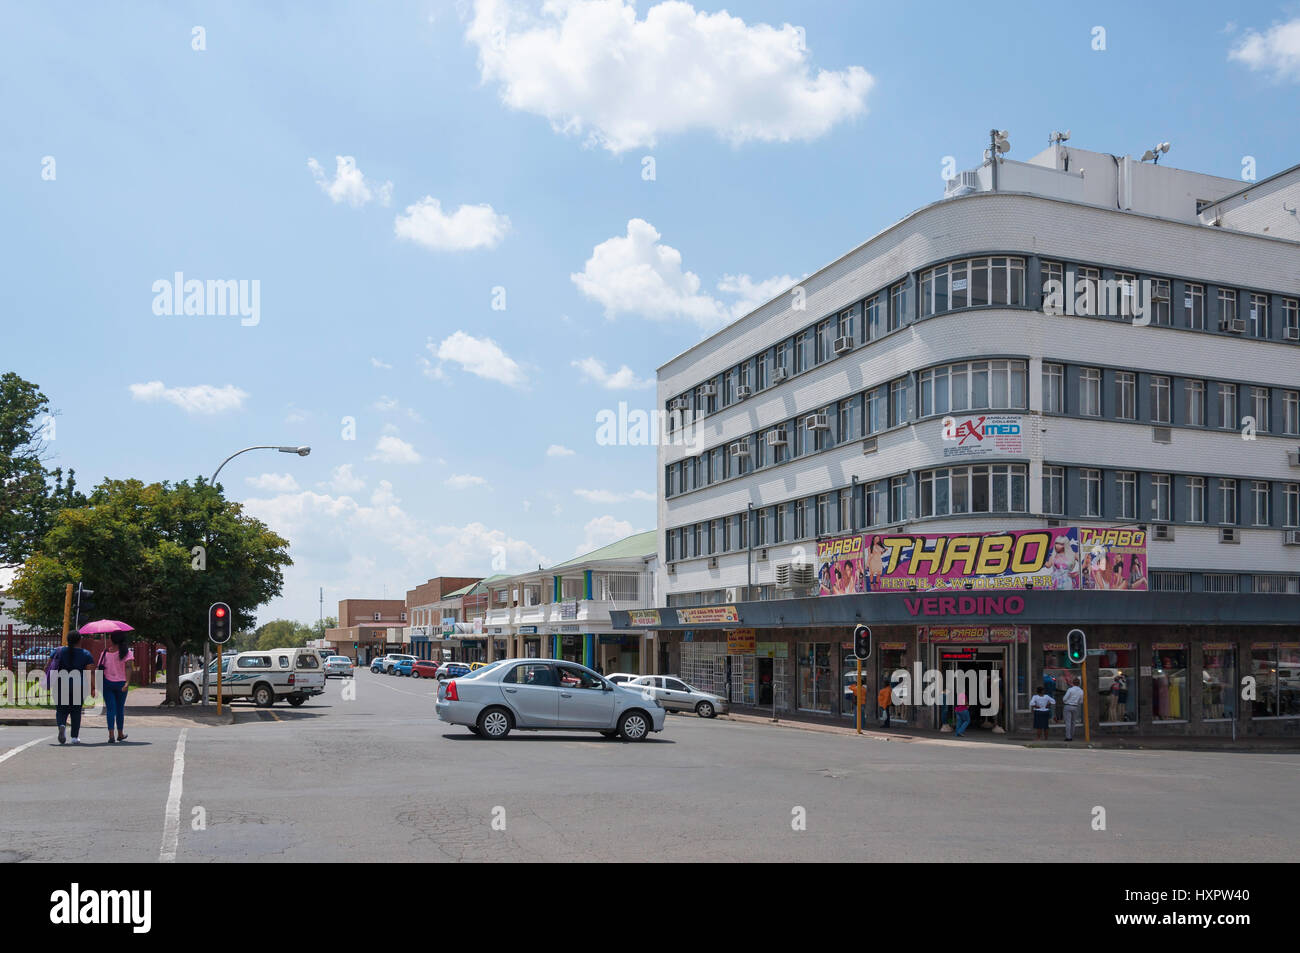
[
  {"x": 68, "y": 685},
  {"x": 1073, "y": 702},
  {"x": 117, "y": 663},
  {"x": 884, "y": 698},
  {"x": 963, "y": 715},
  {"x": 1040, "y": 703}
]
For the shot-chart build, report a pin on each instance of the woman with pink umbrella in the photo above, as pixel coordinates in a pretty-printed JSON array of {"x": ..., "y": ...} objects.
[{"x": 116, "y": 663}]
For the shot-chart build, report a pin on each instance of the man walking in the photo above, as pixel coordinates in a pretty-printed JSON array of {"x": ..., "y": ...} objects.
[
  {"x": 884, "y": 698},
  {"x": 1073, "y": 702}
]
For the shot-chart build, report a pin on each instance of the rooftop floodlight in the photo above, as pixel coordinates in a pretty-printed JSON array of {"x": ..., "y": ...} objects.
[{"x": 1155, "y": 152}]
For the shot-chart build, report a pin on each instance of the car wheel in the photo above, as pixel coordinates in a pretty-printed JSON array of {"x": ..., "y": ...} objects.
[
  {"x": 296, "y": 700},
  {"x": 494, "y": 723},
  {"x": 263, "y": 696},
  {"x": 705, "y": 710},
  {"x": 189, "y": 693},
  {"x": 414, "y": 674},
  {"x": 634, "y": 725}
]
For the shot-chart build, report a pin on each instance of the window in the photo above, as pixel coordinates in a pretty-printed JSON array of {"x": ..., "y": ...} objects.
[
  {"x": 1227, "y": 306},
  {"x": 1090, "y": 392},
  {"x": 1169, "y": 701},
  {"x": 760, "y": 532},
  {"x": 1228, "y": 502},
  {"x": 871, "y": 322},
  {"x": 847, "y": 522},
  {"x": 976, "y": 386},
  {"x": 1276, "y": 669},
  {"x": 898, "y": 402},
  {"x": 1196, "y": 499},
  {"x": 898, "y": 499},
  {"x": 1160, "y": 302},
  {"x": 1053, "y": 389},
  {"x": 825, "y": 344},
  {"x": 1291, "y": 317},
  {"x": 897, "y": 298},
  {"x": 1194, "y": 403},
  {"x": 1052, "y": 271},
  {"x": 983, "y": 281},
  {"x": 1291, "y": 505},
  {"x": 1194, "y": 307},
  {"x": 1091, "y": 492},
  {"x": 823, "y": 515},
  {"x": 778, "y": 524},
  {"x": 1227, "y": 406},
  {"x": 760, "y": 370},
  {"x": 1126, "y": 395},
  {"x": 1126, "y": 286},
  {"x": 999, "y": 488},
  {"x": 1290, "y": 412},
  {"x": 846, "y": 324},
  {"x": 873, "y": 417},
  {"x": 1090, "y": 278},
  {"x": 1259, "y": 408},
  {"x": 848, "y": 426},
  {"x": 1127, "y": 484},
  {"x": 781, "y": 360},
  {"x": 542, "y": 676},
  {"x": 874, "y": 503},
  {"x": 670, "y": 544},
  {"x": 1160, "y": 399},
  {"x": 1258, "y": 325},
  {"x": 1054, "y": 490},
  {"x": 1259, "y": 501},
  {"x": 803, "y": 357},
  {"x": 801, "y": 527},
  {"x": 1219, "y": 684},
  {"x": 670, "y": 480},
  {"x": 1162, "y": 486}
]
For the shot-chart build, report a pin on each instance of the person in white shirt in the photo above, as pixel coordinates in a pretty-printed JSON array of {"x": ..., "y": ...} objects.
[
  {"x": 1073, "y": 702},
  {"x": 1040, "y": 703}
]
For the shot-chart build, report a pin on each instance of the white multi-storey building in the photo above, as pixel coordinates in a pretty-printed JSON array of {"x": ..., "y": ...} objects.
[{"x": 1137, "y": 327}]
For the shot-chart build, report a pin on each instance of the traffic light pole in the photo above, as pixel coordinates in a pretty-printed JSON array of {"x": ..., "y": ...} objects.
[
  {"x": 858, "y": 694},
  {"x": 1087, "y": 721},
  {"x": 207, "y": 661}
]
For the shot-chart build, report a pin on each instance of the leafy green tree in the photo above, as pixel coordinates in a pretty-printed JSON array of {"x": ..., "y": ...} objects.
[
  {"x": 133, "y": 544},
  {"x": 283, "y": 634},
  {"x": 28, "y": 503}
]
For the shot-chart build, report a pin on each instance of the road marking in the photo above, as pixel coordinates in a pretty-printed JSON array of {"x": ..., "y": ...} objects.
[
  {"x": 172, "y": 819},
  {"x": 13, "y": 751}
]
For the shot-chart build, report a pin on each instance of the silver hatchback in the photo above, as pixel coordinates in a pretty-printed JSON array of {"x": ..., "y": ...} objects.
[
  {"x": 542, "y": 695},
  {"x": 676, "y": 695}
]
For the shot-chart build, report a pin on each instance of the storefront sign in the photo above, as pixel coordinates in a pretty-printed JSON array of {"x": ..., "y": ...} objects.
[
  {"x": 973, "y": 633},
  {"x": 528, "y": 630},
  {"x": 981, "y": 435},
  {"x": 568, "y": 628},
  {"x": 1168, "y": 645},
  {"x": 1118, "y": 646},
  {"x": 650, "y": 617},
  {"x": 741, "y": 642},
  {"x": 1218, "y": 646},
  {"x": 1053, "y": 646},
  {"x": 772, "y": 650},
  {"x": 965, "y": 605},
  {"x": 967, "y": 656},
  {"x": 707, "y": 615},
  {"x": 1021, "y": 559},
  {"x": 1112, "y": 558},
  {"x": 890, "y": 646},
  {"x": 568, "y": 610}
]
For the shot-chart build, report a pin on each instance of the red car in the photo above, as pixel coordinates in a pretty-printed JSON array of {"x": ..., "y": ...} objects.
[{"x": 424, "y": 668}]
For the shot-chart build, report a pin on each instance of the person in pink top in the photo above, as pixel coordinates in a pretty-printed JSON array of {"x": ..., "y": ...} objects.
[{"x": 116, "y": 663}]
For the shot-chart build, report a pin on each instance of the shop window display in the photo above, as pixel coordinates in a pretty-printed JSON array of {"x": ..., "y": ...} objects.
[
  {"x": 1169, "y": 682},
  {"x": 1276, "y": 670},
  {"x": 1117, "y": 684},
  {"x": 815, "y": 676},
  {"x": 1057, "y": 676},
  {"x": 1219, "y": 682}
]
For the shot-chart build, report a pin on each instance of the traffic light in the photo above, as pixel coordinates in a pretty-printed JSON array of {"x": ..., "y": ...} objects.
[
  {"x": 85, "y": 604},
  {"x": 862, "y": 642},
  {"x": 219, "y": 623},
  {"x": 1076, "y": 647}
]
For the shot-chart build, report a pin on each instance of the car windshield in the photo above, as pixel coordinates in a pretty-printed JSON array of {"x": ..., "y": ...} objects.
[{"x": 486, "y": 668}]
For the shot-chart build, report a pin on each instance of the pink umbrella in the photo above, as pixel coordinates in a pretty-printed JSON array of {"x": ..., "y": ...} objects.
[{"x": 104, "y": 625}]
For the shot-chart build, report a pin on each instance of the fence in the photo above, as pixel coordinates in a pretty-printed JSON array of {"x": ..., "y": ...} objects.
[{"x": 33, "y": 649}]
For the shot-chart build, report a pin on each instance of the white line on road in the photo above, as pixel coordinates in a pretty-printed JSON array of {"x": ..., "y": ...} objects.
[
  {"x": 172, "y": 821},
  {"x": 13, "y": 751}
]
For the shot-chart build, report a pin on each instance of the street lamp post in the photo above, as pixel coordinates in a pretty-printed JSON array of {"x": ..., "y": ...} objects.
[{"x": 302, "y": 452}]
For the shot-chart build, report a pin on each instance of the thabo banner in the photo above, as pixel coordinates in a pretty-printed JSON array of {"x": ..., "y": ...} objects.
[{"x": 1042, "y": 558}]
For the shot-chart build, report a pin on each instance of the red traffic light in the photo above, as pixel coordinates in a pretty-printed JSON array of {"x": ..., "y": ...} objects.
[{"x": 220, "y": 612}]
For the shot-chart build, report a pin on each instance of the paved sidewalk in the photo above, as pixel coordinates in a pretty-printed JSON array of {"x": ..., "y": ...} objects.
[
  {"x": 908, "y": 735},
  {"x": 140, "y": 703}
]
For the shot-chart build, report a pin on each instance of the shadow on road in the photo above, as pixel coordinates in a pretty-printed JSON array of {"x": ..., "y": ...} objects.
[{"x": 518, "y": 735}]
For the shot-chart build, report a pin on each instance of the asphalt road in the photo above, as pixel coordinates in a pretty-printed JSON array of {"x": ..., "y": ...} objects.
[{"x": 379, "y": 778}]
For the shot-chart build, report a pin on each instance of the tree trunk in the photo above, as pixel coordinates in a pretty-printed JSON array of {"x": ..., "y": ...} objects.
[{"x": 173, "y": 672}]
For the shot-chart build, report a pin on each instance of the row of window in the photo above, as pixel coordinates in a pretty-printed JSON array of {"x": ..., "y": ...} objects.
[{"x": 994, "y": 488}]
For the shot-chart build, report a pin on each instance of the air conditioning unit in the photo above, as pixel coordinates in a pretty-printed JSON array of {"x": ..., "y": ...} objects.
[
  {"x": 713, "y": 562},
  {"x": 802, "y": 575},
  {"x": 679, "y": 403},
  {"x": 1162, "y": 435},
  {"x": 708, "y": 390},
  {"x": 376, "y": 616},
  {"x": 776, "y": 438},
  {"x": 672, "y": 569},
  {"x": 1291, "y": 334},
  {"x": 1163, "y": 531},
  {"x": 783, "y": 576},
  {"x": 744, "y": 391},
  {"x": 869, "y": 445},
  {"x": 779, "y": 374},
  {"x": 1053, "y": 523},
  {"x": 843, "y": 345},
  {"x": 1229, "y": 534},
  {"x": 1293, "y": 458},
  {"x": 1235, "y": 325},
  {"x": 817, "y": 422},
  {"x": 740, "y": 448},
  {"x": 729, "y": 595},
  {"x": 762, "y": 556},
  {"x": 963, "y": 183},
  {"x": 1291, "y": 537}
]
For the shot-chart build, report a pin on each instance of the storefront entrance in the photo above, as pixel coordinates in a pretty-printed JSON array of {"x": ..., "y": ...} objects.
[{"x": 980, "y": 672}]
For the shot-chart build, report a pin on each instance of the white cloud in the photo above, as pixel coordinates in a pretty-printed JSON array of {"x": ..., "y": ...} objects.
[
  {"x": 1276, "y": 51},
  {"x": 349, "y": 184},
  {"x": 392, "y": 449},
  {"x": 636, "y": 274},
  {"x": 595, "y": 70},
  {"x": 274, "y": 483},
  {"x": 610, "y": 496},
  {"x": 480, "y": 356},
  {"x": 199, "y": 399},
  {"x": 463, "y": 481},
  {"x": 602, "y": 531},
  {"x": 622, "y": 379},
  {"x": 386, "y": 404},
  {"x": 344, "y": 481},
  {"x": 376, "y": 362},
  {"x": 556, "y": 450},
  {"x": 467, "y": 228},
  {"x": 295, "y": 415}
]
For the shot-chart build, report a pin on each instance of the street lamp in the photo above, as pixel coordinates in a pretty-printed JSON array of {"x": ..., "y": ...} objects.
[{"x": 301, "y": 451}]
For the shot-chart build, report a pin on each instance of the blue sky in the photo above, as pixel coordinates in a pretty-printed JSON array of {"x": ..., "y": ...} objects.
[{"x": 493, "y": 145}]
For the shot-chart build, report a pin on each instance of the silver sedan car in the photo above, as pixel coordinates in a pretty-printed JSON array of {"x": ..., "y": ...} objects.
[
  {"x": 675, "y": 695},
  {"x": 546, "y": 694}
]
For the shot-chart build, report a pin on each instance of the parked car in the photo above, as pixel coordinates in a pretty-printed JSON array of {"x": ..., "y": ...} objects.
[
  {"x": 308, "y": 673},
  {"x": 338, "y": 665},
  {"x": 675, "y": 695},
  {"x": 621, "y": 678},
  {"x": 391, "y": 659},
  {"x": 402, "y": 666},
  {"x": 377, "y": 664},
  {"x": 425, "y": 668},
  {"x": 263, "y": 677},
  {"x": 543, "y": 695},
  {"x": 453, "y": 670}
]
